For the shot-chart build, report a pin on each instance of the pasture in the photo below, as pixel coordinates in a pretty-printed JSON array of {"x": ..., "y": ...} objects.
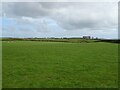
[{"x": 34, "y": 64}]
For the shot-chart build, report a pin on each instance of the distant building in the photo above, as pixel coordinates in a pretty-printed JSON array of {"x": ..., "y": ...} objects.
[
  {"x": 92, "y": 37},
  {"x": 86, "y": 37},
  {"x": 96, "y": 38}
]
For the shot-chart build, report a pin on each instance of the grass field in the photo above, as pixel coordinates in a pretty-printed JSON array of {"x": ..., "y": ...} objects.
[
  {"x": 32, "y": 64},
  {"x": 0, "y": 64}
]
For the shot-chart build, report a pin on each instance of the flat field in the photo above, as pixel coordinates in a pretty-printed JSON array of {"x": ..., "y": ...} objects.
[{"x": 33, "y": 64}]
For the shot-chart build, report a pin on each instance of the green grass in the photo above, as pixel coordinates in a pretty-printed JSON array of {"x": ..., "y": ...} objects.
[
  {"x": 0, "y": 64},
  {"x": 29, "y": 64}
]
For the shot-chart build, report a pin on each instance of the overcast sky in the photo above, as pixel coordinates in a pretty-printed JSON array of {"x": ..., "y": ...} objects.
[{"x": 59, "y": 19}]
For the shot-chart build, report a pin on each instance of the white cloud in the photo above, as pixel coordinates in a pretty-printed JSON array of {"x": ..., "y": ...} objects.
[{"x": 75, "y": 17}]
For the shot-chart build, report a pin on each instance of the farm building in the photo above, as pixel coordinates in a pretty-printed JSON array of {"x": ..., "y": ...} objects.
[{"x": 86, "y": 37}]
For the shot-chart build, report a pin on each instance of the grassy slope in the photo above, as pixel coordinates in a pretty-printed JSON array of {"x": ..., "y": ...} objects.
[{"x": 45, "y": 64}]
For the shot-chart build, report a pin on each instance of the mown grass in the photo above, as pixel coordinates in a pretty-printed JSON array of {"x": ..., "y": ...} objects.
[{"x": 28, "y": 64}]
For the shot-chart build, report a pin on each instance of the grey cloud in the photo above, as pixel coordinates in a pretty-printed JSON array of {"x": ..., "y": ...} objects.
[
  {"x": 69, "y": 16},
  {"x": 27, "y": 9}
]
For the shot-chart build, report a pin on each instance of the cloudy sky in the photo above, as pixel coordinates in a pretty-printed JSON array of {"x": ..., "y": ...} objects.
[{"x": 59, "y": 19}]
